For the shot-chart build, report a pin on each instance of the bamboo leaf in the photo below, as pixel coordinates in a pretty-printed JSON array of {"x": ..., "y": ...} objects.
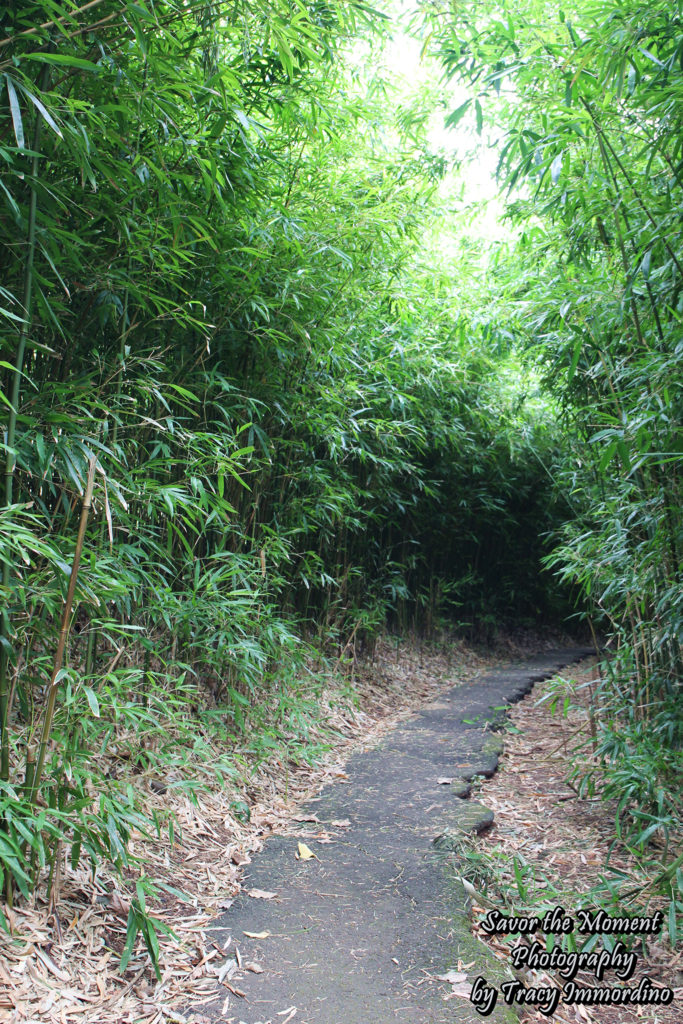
[
  {"x": 40, "y": 106},
  {"x": 575, "y": 359},
  {"x": 63, "y": 60},
  {"x": 92, "y": 701},
  {"x": 15, "y": 111},
  {"x": 556, "y": 169},
  {"x": 457, "y": 115},
  {"x": 480, "y": 116}
]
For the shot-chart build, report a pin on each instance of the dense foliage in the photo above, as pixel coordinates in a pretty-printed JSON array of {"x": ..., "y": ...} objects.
[
  {"x": 249, "y": 410},
  {"x": 584, "y": 107},
  {"x": 241, "y": 415}
]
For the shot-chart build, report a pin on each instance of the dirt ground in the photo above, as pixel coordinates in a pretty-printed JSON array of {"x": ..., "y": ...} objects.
[{"x": 568, "y": 844}]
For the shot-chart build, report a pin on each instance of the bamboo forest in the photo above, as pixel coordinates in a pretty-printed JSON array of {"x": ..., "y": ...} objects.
[{"x": 335, "y": 337}]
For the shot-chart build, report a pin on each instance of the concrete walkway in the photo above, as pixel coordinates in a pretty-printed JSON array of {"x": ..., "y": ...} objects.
[{"x": 359, "y": 933}]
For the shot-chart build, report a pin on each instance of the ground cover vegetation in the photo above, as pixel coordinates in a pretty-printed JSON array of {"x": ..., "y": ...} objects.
[{"x": 247, "y": 423}]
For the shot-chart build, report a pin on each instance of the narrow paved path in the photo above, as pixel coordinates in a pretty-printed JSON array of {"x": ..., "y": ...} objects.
[{"x": 358, "y": 934}]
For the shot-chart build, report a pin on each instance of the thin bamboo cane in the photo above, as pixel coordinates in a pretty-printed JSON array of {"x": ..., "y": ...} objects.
[{"x": 63, "y": 634}]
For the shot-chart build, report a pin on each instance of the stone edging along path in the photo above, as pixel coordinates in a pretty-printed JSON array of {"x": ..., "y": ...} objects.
[{"x": 359, "y": 932}]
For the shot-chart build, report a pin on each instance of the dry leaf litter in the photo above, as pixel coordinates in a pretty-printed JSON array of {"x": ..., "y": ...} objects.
[{"x": 568, "y": 841}]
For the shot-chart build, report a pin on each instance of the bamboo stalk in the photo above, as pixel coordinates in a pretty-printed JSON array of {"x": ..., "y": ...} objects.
[{"x": 63, "y": 634}]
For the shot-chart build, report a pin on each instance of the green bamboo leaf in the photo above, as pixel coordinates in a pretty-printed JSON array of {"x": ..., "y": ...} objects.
[
  {"x": 12, "y": 316},
  {"x": 624, "y": 455},
  {"x": 285, "y": 54},
  {"x": 11, "y": 201},
  {"x": 632, "y": 79},
  {"x": 31, "y": 837},
  {"x": 575, "y": 359},
  {"x": 92, "y": 701},
  {"x": 152, "y": 943},
  {"x": 480, "y": 116},
  {"x": 63, "y": 60},
  {"x": 40, "y": 106},
  {"x": 456, "y": 116},
  {"x": 132, "y": 928},
  {"x": 607, "y": 456},
  {"x": 75, "y": 854},
  {"x": 556, "y": 169},
  {"x": 243, "y": 119},
  {"x": 140, "y": 889},
  {"x": 15, "y": 111},
  {"x": 143, "y": 12}
]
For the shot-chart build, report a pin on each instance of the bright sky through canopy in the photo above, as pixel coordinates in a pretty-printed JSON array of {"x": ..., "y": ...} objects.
[{"x": 472, "y": 186}]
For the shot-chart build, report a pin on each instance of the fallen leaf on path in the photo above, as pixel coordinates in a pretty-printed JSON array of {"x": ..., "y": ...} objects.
[
  {"x": 444, "y": 781},
  {"x": 226, "y": 971},
  {"x": 261, "y": 894},
  {"x": 306, "y": 817},
  {"x": 256, "y": 935},
  {"x": 239, "y": 858},
  {"x": 462, "y": 990},
  {"x": 343, "y": 823},
  {"x": 290, "y": 1011},
  {"x": 235, "y": 991},
  {"x": 254, "y": 968},
  {"x": 305, "y": 853},
  {"x": 453, "y": 977}
]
